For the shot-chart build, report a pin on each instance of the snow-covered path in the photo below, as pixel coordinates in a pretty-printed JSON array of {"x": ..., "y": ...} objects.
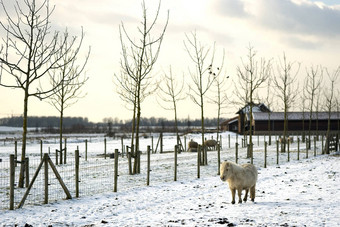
[{"x": 299, "y": 193}]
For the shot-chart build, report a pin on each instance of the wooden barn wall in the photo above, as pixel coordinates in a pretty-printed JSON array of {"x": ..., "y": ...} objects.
[{"x": 296, "y": 125}]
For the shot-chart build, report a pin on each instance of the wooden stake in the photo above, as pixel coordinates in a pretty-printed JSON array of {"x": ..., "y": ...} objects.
[
  {"x": 148, "y": 167},
  {"x": 76, "y": 157},
  {"x": 11, "y": 181},
  {"x": 116, "y": 171},
  {"x": 175, "y": 169}
]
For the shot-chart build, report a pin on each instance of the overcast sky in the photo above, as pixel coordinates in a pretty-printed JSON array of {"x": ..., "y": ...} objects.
[{"x": 307, "y": 31}]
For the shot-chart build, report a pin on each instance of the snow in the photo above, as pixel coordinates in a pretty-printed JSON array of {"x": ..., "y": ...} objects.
[{"x": 295, "y": 193}]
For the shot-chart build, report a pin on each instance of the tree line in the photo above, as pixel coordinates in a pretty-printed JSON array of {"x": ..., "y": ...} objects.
[
  {"x": 44, "y": 122},
  {"x": 82, "y": 124}
]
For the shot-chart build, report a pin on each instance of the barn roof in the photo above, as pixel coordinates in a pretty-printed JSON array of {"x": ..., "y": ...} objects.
[
  {"x": 260, "y": 116},
  {"x": 229, "y": 121},
  {"x": 260, "y": 107}
]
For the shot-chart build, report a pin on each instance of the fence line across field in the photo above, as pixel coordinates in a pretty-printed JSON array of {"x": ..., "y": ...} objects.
[{"x": 83, "y": 176}]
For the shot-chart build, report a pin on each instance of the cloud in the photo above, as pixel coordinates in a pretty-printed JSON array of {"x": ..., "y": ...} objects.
[
  {"x": 302, "y": 43},
  {"x": 301, "y": 17},
  {"x": 231, "y": 8},
  {"x": 293, "y": 16}
]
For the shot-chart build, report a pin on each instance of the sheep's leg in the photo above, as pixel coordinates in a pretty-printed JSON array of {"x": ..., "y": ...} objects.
[
  {"x": 239, "y": 191},
  {"x": 233, "y": 191},
  {"x": 246, "y": 195},
  {"x": 252, "y": 193}
]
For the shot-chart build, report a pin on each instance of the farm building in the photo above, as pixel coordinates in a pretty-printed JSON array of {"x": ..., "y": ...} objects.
[{"x": 265, "y": 120}]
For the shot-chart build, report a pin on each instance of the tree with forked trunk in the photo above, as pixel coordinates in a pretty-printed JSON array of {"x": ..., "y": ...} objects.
[
  {"x": 71, "y": 79},
  {"x": 285, "y": 84},
  {"x": 202, "y": 77},
  {"x": 135, "y": 80},
  {"x": 330, "y": 100},
  {"x": 252, "y": 74},
  {"x": 313, "y": 83},
  {"x": 28, "y": 52},
  {"x": 171, "y": 92}
]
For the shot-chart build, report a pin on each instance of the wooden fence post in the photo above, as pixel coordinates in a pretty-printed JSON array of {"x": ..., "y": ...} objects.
[
  {"x": 314, "y": 146},
  {"x": 46, "y": 178},
  {"x": 161, "y": 143},
  {"x": 122, "y": 142},
  {"x": 218, "y": 158},
  {"x": 76, "y": 157},
  {"x": 265, "y": 154},
  {"x": 148, "y": 167},
  {"x": 277, "y": 152},
  {"x": 128, "y": 153},
  {"x": 228, "y": 140},
  {"x": 298, "y": 154},
  {"x": 15, "y": 152},
  {"x": 185, "y": 143},
  {"x": 105, "y": 148},
  {"x": 86, "y": 150},
  {"x": 175, "y": 169},
  {"x": 236, "y": 152},
  {"x": 11, "y": 181},
  {"x": 288, "y": 153},
  {"x": 132, "y": 153},
  {"x": 116, "y": 171},
  {"x": 56, "y": 156},
  {"x": 198, "y": 161},
  {"x": 41, "y": 149},
  {"x": 65, "y": 150},
  {"x": 27, "y": 171},
  {"x": 152, "y": 144}
]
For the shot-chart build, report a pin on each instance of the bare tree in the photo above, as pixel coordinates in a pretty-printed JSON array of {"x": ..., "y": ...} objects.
[
  {"x": 71, "y": 79},
  {"x": 269, "y": 98},
  {"x": 303, "y": 99},
  {"x": 285, "y": 83},
  {"x": 252, "y": 74},
  {"x": 330, "y": 99},
  {"x": 171, "y": 92},
  {"x": 138, "y": 60},
  {"x": 219, "y": 89},
  {"x": 313, "y": 83},
  {"x": 202, "y": 77},
  {"x": 28, "y": 52}
]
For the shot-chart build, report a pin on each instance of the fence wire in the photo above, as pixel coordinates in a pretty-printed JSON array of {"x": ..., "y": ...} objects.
[{"x": 96, "y": 174}]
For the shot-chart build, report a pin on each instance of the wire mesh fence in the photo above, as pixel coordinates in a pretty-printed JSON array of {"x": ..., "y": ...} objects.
[{"x": 96, "y": 173}]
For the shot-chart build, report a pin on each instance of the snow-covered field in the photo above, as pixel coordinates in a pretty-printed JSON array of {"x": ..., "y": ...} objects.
[{"x": 295, "y": 193}]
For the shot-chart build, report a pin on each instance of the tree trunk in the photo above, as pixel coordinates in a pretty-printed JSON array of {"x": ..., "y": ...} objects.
[
  {"x": 24, "y": 138},
  {"x": 202, "y": 126},
  {"x": 269, "y": 130},
  {"x": 61, "y": 133},
  {"x": 176, "y": 123},
  {"x": 285, "y": 127},
  {"x": 136, "y": 153}
]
